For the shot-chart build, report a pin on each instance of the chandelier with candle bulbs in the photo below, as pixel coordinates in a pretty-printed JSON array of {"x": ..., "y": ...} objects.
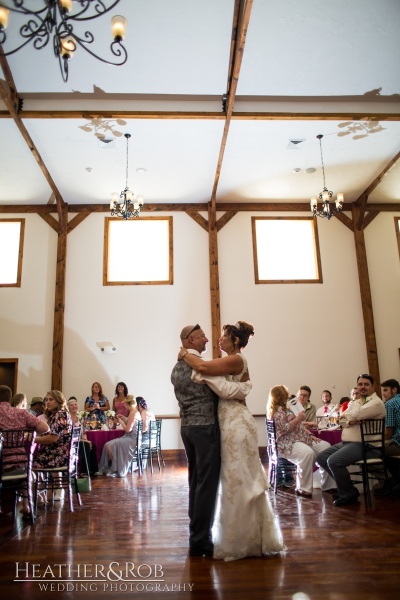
[
  {"x": 55, "y": 20},
  {"x": 122, "y": 204},
  {"x": 328, "y": 210}
]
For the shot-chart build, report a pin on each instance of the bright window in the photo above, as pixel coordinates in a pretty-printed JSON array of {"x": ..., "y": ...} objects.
[
  {"x": 138, "y": 251},
  {"x": 11, "y": 248},
  {"x": 286, "y": 250}
]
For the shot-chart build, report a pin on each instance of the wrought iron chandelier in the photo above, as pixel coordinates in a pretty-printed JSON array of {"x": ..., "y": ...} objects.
[
  {"x": 122, "y": 204},
  {"x": 54, "y": 20},
  {"x": 328, "y": 210}
]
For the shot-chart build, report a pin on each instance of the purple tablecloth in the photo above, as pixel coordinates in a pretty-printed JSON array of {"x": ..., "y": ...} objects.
[
  {"x": 333, "y": 436},
  {"x": 100, "y": 437}
]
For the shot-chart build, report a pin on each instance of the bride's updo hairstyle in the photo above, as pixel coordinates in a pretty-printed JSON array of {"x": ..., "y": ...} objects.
[{"x": 240, "y": 330}]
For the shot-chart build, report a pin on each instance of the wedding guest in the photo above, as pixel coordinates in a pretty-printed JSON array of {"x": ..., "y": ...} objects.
[
  {"x": 118, "y": 403},
  {"x": 19, "y": 401},
  {"x": 303, "y": 396},
  {"x": 145, "y": 414},
  {"x": 117, "y": 454},
  {"x": 344, "y": 403},
  {"x": 54, "y": 446},
  {"x": 86, "y": 447},
  {"x": 96, "y": 405},
  {"x": 296, "y": 443},
  {"x": 14, "y": 418},
  {"x": 36, "y": 406},
  {"x": 337, "y": 458}
]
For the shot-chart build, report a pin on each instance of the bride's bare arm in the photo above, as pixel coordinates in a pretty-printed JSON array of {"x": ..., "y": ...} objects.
[{"x": 228, "y": 365}]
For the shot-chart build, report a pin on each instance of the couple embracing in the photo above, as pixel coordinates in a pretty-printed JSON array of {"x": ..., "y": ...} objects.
[{"x": 220, "y": 438}]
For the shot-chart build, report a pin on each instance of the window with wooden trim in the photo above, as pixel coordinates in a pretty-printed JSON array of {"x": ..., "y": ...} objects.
[
  {"x": 286, "y": 250},
  {"x": 11, "y": 250},
  {"x": 397, "y": 225},
  {"x": 138, "y": 251}
]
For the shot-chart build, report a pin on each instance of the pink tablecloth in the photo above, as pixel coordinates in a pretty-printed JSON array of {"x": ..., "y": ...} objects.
[
  {"x": 100, "y": 437},
  {"x": 333, "y": 436}
]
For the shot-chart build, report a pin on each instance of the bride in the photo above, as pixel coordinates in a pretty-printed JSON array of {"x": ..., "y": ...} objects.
[{"x": 244, "y": 524}]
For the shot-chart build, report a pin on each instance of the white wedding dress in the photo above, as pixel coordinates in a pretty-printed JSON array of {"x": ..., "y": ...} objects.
[{"x": 244, "y": 524}]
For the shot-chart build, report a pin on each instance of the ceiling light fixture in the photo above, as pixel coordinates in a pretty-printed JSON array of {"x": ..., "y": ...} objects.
[
  {"x": 328, "y": 210},
  {"x": 125, "y": 209},
  {"x": 55, "y": 18}
]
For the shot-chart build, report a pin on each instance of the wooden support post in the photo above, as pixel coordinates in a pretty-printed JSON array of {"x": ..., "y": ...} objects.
[
  {"x": 366, "y": 299},
  {"x": 59, "y": 305},
  {"x": 214, "y": 279}
]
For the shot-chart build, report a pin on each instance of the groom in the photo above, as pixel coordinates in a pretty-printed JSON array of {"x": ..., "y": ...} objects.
[{"x": 201, "y": 438}]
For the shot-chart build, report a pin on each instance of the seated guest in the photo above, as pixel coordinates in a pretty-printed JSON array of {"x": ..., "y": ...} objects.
[
  {"x": 36, "y": 406},
  {"x": 86, "y": 448},
  {"x": 296, "y": 443},
  {"x": 14, "y": 418},
  {"x": 145, "y": 414},
  {"x": 344, "y": 403},
  {"x": 391, "y": 395},
  {"x": 117, "y": 454},
  {"x": 118, "y": 403},
  {"x": 96, "y": 405},
  {"x": 327, "y": 404},
  {"x": 337, "y": 458},
  {"x": 19, "y": 401},
  {"x": 54, "y": 446},
  {"x": 303, "y": 396}
]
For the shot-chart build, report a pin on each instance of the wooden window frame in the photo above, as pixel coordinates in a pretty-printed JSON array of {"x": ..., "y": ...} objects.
[
  {"x": 319, "y": 278},
  {"x": 168, "y": 281},
  {"x": 20, "y": 251}
]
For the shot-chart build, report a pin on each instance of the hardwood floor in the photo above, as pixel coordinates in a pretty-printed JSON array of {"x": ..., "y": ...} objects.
[{"x": 332, "y": 553}]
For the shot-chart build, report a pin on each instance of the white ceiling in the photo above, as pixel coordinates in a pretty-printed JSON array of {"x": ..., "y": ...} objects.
[{"x": 301, "y": 57}]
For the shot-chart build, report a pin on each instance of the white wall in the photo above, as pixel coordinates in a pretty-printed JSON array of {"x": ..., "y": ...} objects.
[{"x": 305, "y": 334}]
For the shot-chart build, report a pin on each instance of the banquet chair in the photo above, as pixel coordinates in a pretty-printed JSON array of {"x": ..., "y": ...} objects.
[
  {"x": 17, "y": 443},
  {"x": 276, "y": 469},
  {"x": 137, "y": 457},
  {"x": 62, "y": 477},
  {"x": 374, "y": 468},
  {"x": 152, "y": 445}
]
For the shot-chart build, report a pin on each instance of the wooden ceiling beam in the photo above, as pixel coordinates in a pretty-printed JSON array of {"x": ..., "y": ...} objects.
[
  {"x": 5, "y": 94},
  {"x": 206, "y": 115}
]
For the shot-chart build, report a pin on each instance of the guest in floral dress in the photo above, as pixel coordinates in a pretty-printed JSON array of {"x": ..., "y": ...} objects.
[
  {"x": 53, "y": 449},
  {"x": 96, "y": 405},
  {"x": 296, "y": 443}
]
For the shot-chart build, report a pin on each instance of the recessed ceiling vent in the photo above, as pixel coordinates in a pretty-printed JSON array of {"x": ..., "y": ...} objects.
[
  {"x": 294, "y": 144},
  {"x": 107, "y": 143}
]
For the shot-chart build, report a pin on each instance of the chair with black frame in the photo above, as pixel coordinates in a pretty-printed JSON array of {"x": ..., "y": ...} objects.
[
  {"x": 152, "y": 445},
  {"x": 277, "y": 469},
  {"x": 62, "y": 477},
  {"x": 137, "y": 457},
  {"x": 17, "y": 447},
  {"x": 371, "y": 468}
]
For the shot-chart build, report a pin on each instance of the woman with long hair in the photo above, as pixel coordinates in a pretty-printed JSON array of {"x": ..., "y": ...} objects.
[
  {"x": 54, "y": 446},
  {"x": 296, "y": 443},
  {"x": 244, "y": 524},
  {"x": 118, "y": 403},
  {"x": 117, "y": 454},
  {"x": 96, "y": 405}
]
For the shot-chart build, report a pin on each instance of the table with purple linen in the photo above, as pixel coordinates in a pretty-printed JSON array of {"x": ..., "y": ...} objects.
[
  {"x": 101, "y": 437},
  {"x": 332, "y": 436}
]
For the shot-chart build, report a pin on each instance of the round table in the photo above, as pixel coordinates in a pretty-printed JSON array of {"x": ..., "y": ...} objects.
[{"x": 101, "y": 437}]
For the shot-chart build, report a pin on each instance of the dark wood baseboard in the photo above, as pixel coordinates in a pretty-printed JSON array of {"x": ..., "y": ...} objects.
[{"x": 179, "y": 455}]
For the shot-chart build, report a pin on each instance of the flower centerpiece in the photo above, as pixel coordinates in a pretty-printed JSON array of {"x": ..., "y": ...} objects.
[
  {"x": 110, "y": 414},
  {"x": 82, "y": 414}
]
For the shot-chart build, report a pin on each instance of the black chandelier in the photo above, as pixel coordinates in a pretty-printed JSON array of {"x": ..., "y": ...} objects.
[
  {"x": 122, "y": 204},
  {"x": 54, "y": 19},
  {"x": 328, "y": 210}
]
